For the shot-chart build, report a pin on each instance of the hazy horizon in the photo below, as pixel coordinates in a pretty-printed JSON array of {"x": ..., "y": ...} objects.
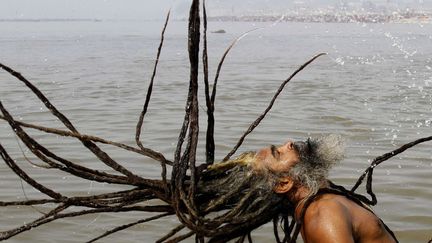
[{"x": 156, "y": 9}]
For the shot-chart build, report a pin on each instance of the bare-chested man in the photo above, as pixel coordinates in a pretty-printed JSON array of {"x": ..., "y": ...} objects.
[{"x": 299, "y": 170}]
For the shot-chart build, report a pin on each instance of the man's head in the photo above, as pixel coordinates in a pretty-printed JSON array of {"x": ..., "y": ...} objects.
[{"x": 300, "y": 163}]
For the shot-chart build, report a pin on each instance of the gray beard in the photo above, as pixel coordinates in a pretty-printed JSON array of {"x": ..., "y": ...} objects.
[{"x": 313, "y": 168}]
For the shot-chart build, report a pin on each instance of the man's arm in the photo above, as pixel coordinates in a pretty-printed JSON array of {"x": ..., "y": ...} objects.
[{"x": 327, "y": 222}]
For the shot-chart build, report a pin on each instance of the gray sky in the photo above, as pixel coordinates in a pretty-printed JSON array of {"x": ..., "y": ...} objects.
[
  {"x": 104, "y": 9},
  {"x": 147, "y": 9}
]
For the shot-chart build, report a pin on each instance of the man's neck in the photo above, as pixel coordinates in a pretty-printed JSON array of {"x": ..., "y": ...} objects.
[
  {"x": 298, "y": 194},
  {"x": 298, "y": 197}
]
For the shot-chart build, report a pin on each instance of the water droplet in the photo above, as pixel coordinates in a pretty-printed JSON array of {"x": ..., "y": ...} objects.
[{"x": 339, "y": 61}]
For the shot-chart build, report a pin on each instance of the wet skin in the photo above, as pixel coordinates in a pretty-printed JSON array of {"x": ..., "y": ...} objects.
[
  {"x": 335, "y": 218},
  {"x": 330, "y": 218}
]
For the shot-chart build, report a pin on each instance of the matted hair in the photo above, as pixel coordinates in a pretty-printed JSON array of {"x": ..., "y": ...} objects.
[
  {"x": 317, "y": 157},
  {"x": 236, "y": 198}
]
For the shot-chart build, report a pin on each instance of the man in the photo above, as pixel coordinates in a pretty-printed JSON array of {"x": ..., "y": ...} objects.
[{"x": 298, "y": 170}]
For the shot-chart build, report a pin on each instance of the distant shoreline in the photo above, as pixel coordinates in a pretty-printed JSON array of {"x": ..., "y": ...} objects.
[
  {"x": 330, "y": 18},
  {"x": 424, "y": 18},
  {"x": 50, "y": 20}
]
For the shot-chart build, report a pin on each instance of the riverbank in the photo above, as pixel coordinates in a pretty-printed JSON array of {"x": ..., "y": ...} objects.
[{"x": 332, "y": 18}]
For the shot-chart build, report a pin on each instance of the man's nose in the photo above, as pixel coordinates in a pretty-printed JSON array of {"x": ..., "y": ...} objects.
[{"x": 289, "y": 145}]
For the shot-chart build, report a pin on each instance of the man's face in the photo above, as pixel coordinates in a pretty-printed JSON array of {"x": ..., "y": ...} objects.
[{"x": 277, "y": 159}]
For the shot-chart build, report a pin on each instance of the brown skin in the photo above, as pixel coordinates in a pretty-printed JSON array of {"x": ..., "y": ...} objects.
[{"x": 329, "y": 218}]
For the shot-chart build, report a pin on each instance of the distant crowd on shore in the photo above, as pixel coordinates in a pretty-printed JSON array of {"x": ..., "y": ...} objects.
[{"x": 333, "y": 18}]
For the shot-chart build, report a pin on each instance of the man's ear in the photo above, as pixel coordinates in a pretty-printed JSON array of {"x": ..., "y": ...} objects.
[{"x": 283, "y": 185}]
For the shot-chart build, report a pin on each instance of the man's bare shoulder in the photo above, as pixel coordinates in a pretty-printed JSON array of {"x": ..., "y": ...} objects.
[
  {"x": 327, "y": 220},
  {"x": 332, "y": 217},
  {"x": 327, "y": 206}
]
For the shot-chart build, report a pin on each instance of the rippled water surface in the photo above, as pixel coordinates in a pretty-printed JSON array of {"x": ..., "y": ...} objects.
[{"x": 374, "y": 87}]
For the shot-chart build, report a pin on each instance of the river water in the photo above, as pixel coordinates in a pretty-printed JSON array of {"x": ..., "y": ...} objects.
[{"x": 374, "y": 88}]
